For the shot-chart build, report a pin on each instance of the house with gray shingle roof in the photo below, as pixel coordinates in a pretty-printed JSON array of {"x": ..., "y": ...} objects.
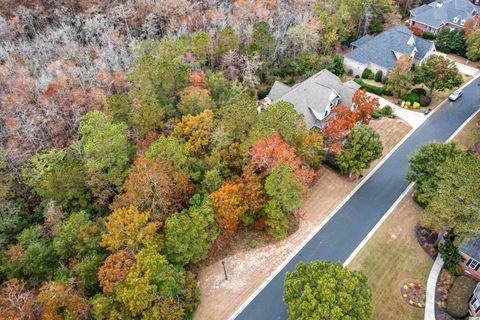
[
  {"x": 315, "y": 97},
  {"x": 381, "y": 52},
  {"x": 440, "y": 14}
]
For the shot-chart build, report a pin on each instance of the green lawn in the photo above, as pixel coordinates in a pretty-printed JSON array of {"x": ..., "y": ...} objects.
[{"x": 391, "y": 258}]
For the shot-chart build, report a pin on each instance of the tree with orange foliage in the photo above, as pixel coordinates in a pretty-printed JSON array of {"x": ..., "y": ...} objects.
[
  {"x": 229, "y": 204},
  {"x": 337, "y": 126},
  {"x": 364, "y": 104},
  {"x": 253, "y": 192},
  {"x": 115, "y": 269},
  {"x": 198, "y": 79},
  {"x": 268, "y": 152},
  {"x": 60, "y": 299},
  {"x": 471, "y": 25},
  {"x": 16, "y": 302},
  {"x": 157, "y": 186}
]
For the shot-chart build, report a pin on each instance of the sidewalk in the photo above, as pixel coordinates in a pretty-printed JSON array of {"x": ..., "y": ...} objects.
[{"x": 431, "y": 288}]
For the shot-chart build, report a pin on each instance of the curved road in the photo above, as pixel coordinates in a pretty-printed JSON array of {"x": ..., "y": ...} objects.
[{"x": 353, "y": 221}]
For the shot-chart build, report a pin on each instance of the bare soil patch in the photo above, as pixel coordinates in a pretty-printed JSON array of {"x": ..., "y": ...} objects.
[{"x": 248, "y": 268}]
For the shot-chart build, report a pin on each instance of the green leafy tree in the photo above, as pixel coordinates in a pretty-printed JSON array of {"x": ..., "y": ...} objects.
[
  {"x": 78, "y": 235},
  {"x": 227, "y": 41},
  {"x": 241, "y": 107},
  {"x": 151, "y": 278},
  {"x": 285, "y": 195},
  {"x": 147, "y": 112},
  {"x": 424, "y": 166},
  {"x": 473, "y": 46},
  {"x": 85, "y": 272},
  {"x": 451, "y": 41},
  {"x": 455, "y": 204},
  {"x": 450, "y": 255},
  {"x": 106, "y": 146},
  {"x": 172, "y": 149},
  {"x": 438, "y": 73},
  {"x": 65, "y": 184},
  {"x": 283, "y": 118},
  {"x": 261, "y": 40},
  {"x": 326, "y": 290},
  {"x": 362, "y": 147},
  {"x": 40, "y": 164},
  {"x": 118, "y": 107},
  {"x": 189, "y": 234}
]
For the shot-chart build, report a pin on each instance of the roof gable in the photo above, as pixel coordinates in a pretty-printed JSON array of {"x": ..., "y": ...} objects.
[{"x": 471, "y": 248}]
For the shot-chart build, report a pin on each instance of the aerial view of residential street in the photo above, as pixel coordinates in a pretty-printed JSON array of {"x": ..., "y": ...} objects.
[{"x": 239, "y": 159}]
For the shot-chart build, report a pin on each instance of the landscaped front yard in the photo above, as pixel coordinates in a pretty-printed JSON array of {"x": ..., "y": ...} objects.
[{"x": 392, "y": 258}]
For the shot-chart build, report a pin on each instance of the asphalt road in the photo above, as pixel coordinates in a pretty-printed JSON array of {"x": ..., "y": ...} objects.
[{"x": 350, "y": 225}]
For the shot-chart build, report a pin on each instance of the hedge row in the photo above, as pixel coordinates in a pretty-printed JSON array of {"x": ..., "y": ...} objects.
[{"x": 372, "y": 89}]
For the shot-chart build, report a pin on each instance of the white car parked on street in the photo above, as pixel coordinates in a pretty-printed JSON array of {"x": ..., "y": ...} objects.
[{"x": 455, "y": 95}]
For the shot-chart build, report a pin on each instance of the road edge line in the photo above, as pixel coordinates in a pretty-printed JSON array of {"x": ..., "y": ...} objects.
[{"x": 400, "y": 198}]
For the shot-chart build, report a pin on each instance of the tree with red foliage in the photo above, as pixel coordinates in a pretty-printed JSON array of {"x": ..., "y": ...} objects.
[
  {"x": 268, "y": 152},
  {"x": 416, "y": 31},
  {"x": 364, "y": 104},
  {"x": 115, "y": 269},
  {"x": 338, "y": 126}
]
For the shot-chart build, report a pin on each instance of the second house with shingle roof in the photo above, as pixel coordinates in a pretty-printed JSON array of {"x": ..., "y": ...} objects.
[{"x": 381, "y": 52}]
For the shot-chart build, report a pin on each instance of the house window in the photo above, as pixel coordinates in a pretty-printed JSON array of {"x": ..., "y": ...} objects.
[
  {"x": 476, "y": 304},
  {"x": 462, "y": 22},
  {"x": 473, "y": 264}
]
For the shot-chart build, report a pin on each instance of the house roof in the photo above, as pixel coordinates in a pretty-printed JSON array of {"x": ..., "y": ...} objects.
[
  {"x": 312, "y": 96},
  {"x": 362, "y": 40},
  {"x": 385, "y": 48},
  {"x": 471, "y": 248},
  {"x": 441, "y": 12}
]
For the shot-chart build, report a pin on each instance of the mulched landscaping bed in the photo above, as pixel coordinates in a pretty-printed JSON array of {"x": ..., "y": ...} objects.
[
  {"x": 444, "y": 282},
  {"x": 414, "y": 294},
  {"x": 426, "y": 238}
]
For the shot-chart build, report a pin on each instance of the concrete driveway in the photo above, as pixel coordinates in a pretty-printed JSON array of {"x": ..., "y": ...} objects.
[{"x": 414, "y": 119}]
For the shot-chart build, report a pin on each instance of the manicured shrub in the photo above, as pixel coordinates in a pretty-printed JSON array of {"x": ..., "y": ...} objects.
[
  {"x": 450, "y": 255},
  {"x": 416, "y": 105},
  {"x": 376, "y": 114},
  {"x": 458, "y": 296},
  {"x": 412, "y": 97},
  {"x": 372, "y": 89},
  {"x": 408, "y": 104},
  {"x": 367, "y": 74},
  {"x": 425, "y": 101},
  {"x": 428, "y": 36},
  {"x": 419, "y": 91},
  {"x": 350, "y": 72},
  {"x": 378, "y": 76},
  {"x": 357, "y": 76},
  {"x": 387, "y": 110}
]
